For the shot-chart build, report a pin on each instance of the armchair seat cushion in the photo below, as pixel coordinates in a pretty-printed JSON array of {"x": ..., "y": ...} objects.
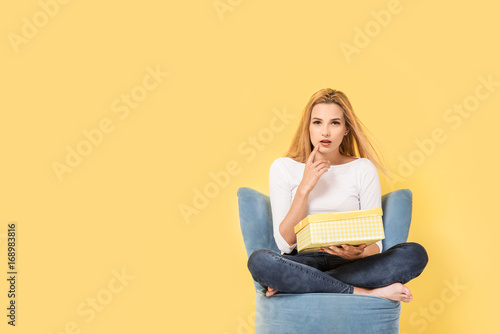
[{"x": 325, "y": 313}]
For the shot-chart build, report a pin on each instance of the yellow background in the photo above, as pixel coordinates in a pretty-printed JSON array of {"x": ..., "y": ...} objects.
[{"x": 231, "y": 71}]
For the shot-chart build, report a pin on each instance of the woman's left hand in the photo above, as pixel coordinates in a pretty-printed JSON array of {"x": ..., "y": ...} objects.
[{"x": 347, "y": 252}]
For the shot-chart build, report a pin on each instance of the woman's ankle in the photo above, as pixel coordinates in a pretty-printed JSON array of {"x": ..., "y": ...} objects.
[{"x": 396, "y": 292}]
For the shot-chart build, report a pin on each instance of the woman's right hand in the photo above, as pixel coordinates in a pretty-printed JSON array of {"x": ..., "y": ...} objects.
[{"x": 313, "y": 171}]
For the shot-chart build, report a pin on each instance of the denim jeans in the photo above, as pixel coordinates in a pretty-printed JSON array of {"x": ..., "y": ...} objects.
[{"x": 323, "y": 272}]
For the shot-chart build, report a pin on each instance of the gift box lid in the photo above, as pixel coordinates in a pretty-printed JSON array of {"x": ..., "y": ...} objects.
[{"x": 323, "y": 217}]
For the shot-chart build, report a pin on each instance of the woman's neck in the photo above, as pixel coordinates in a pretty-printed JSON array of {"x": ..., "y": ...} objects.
[{"x": 335, "y": 158}]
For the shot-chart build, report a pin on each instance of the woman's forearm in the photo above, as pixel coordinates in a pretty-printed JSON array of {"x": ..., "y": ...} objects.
[
  {"x": 371, "y": 250},
  {"x": 296, "y": 213}
]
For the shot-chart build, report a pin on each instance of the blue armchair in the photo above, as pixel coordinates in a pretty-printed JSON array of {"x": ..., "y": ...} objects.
[{"x": 321, "y": 312}]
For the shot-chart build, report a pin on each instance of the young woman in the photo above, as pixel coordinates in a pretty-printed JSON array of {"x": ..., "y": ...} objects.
[{"x": 331, "y": 166}]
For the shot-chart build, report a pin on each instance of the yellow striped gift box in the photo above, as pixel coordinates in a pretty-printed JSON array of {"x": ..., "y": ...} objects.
[{"x": 337, "y": 228}]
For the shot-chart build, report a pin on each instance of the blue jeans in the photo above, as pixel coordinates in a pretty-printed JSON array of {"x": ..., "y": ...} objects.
[{"x": 323, "y": 272}]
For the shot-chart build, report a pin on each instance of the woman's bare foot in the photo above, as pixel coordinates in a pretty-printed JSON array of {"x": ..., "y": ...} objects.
[
  {"x": 396, "y": 291},
  {"x": 270, "y": 291}
]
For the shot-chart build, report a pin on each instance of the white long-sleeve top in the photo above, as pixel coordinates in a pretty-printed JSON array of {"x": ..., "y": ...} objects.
[{"x": 351, "y": 186}]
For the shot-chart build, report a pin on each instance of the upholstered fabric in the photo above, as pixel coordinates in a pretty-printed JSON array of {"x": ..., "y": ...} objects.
[{"x": 321, "y": 312}]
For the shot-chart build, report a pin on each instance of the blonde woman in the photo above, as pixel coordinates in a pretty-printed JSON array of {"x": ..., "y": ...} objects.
[{"x": 331, "y": 166}]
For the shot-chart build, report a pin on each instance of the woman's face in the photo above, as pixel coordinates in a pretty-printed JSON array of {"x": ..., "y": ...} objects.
[{"x": 327, "y": 127}]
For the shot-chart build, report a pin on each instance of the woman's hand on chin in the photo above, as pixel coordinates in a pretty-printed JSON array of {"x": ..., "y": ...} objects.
[
  {"x": 347, "y": 252},
  {"x": 313, "y": 171}
]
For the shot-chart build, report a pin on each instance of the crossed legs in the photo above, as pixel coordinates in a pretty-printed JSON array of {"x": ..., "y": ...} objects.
[{"x": 382, "y": 275}]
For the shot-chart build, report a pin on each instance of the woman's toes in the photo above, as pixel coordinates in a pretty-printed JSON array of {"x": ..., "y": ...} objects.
[
  {"x": 408, "y": 297},
  {"x": 270, "y": 292}
]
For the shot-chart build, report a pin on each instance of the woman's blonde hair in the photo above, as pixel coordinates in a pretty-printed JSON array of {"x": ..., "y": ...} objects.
[{"x": 355, "y": 143}]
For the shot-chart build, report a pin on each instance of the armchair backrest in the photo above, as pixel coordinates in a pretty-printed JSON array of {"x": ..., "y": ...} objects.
[
  {"x": 256, "y": 220},
  {"x": 397, "y": 209}
]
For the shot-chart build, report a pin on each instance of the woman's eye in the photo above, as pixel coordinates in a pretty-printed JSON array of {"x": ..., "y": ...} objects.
[
  {"x": 336, "y": 122},
  {"x": 316, "y": 122}
]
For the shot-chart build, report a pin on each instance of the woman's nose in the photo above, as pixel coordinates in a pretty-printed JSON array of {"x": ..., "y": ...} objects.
[{"x": 325, "y": 131}]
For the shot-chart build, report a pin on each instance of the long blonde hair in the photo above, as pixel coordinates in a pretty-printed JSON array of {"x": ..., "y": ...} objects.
[{"x": 356, "y": 143}]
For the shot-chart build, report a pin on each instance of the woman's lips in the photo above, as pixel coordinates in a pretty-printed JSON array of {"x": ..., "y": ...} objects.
[{"x": 325, "y": 143}]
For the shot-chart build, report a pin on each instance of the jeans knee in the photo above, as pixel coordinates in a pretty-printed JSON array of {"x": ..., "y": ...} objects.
[
  {"x": 258, "y": 258},
  {"x": 417, "y": 254}
]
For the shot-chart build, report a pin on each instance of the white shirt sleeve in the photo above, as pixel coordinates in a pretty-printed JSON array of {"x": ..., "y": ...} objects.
[
  {"x": 280, "y": 193},
  {"x": 370, "y": 192}
]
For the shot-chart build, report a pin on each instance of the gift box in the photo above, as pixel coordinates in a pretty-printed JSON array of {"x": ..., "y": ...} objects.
[{"x": 337, "y": 228}]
